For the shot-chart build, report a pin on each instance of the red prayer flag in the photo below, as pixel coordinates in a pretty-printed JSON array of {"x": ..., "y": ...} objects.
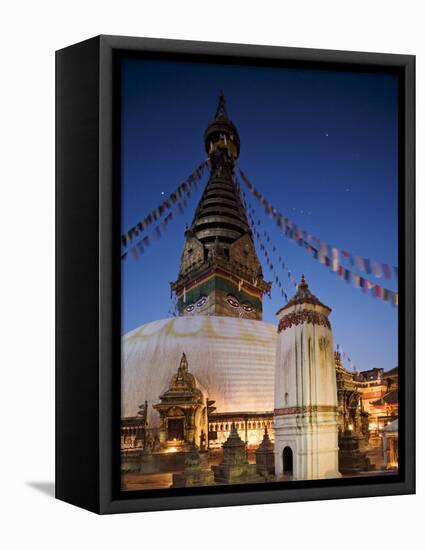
[{"x": 387, "y": 271}]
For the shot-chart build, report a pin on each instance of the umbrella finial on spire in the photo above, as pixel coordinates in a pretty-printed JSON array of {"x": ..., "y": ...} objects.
[
  {"x": 221, "y": 107},
  {"x": 303, "y": 284}
]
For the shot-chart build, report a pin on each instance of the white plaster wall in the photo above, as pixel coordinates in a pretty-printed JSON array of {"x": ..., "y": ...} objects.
[
  {"x": 232, "y": 359},
  {"x": 305, "y": 370},
  {"x": 314, "y": 445},
  {"x": 305, "y": 377}
]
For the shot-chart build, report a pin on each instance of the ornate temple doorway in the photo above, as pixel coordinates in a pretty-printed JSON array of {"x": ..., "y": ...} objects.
[
  {"x": 175, "y": 429},
  {"x": 288, "y": 461}
]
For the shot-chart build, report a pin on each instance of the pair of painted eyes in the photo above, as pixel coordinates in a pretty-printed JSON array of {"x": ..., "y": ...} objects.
[
  {"x": 234, "y": 302},
  {"x": 199, "y": 303}
]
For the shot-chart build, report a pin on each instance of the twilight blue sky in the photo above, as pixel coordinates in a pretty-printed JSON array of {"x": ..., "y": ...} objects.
[{"x": 320, "y": 145}]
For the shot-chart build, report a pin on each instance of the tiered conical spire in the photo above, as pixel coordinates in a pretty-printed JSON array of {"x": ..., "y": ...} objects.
[
  {"x": 220, "y": 273},
  {"x": 220, "y": 215},
  {"x": 220, "y": 218}
]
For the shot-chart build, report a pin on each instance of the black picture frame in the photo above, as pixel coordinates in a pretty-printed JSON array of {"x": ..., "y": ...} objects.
[{"x": 87, "y": 276}]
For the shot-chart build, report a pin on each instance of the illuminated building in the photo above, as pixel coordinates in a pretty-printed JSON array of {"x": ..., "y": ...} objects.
[{"x": 367, "y": 400}]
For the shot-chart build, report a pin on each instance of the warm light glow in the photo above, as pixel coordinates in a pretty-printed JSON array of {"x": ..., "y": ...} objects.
[
  {"x": 350, "y": 427},
  {"x": 171, "y": 449},
  {"x": 373, "y": 426}
]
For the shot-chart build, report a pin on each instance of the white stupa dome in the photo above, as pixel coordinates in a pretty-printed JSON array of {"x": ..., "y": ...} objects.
[{"x": 232, "y": 360}]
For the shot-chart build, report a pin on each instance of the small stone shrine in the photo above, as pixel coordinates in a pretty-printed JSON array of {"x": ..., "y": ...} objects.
[
  {"x": 235, "y": 467},
  {"x": 196, "y": 472},
  {"x": 351, "y": 460},
  {"x": 264, "y": 456}
]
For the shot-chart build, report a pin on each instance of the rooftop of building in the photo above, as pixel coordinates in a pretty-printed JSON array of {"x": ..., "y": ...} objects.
[
  {"x": 391, "y": 372},
  {"x": 390, "y": 398}
]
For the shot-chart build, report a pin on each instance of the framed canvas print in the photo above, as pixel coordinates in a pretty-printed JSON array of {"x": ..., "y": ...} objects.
[{"x": 235, "y": 274}]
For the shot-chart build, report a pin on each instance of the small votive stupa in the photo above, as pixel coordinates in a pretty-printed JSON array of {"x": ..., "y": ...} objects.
[
  {"x": 196, "y": 473},
  {"x": 264, "y": 456},
  {"x": 235, "y": 467}
]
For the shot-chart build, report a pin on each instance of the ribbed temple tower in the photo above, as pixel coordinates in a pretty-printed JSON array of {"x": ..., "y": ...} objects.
[{"x": 220, "y": 273}]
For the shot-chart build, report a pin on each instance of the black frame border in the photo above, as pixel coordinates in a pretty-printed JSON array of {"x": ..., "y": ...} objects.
[{"x": 107, "y": 357}]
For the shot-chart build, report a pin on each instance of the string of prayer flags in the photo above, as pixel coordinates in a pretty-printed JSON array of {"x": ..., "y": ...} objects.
[
  {"x": 369, "y": 287},
  {"x": 271, "y": 266},
  {"x": 329, "y": 256},
  {"x": 365, "y": 265},
  {"x": 184, "y": 189},
  {"x": 255, "y": 223},
  {"x": 140, "y": 247}
]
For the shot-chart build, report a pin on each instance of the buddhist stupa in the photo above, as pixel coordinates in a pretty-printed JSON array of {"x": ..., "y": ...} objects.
[{"x": 220, "y": 287}]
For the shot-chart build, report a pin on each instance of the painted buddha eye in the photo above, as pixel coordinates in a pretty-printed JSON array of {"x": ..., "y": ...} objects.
[
  {"x": 201, "y": 301},
  {"x": 234, "y": 302},
  {"x": 190, "y": 308},
  {"x": 248, "y": 307}
]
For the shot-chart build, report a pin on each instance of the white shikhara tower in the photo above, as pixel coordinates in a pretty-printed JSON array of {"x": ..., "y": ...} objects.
[{"x": 305, "y": 415}]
